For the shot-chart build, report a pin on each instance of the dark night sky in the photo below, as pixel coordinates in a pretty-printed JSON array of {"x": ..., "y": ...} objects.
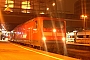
[{"x": 69, "y": 5}]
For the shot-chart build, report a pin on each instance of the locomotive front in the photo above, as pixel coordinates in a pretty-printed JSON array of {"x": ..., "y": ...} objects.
[{"x": 53, "y": 36}]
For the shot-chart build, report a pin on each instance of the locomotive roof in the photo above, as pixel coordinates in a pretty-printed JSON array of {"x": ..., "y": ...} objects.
[{"x": 61, "y": 19}]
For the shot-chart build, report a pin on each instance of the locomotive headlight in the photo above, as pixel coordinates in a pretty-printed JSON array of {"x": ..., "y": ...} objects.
[
  {"x": 63, "y": 38},
  {"x": 44, "y": 38},
  {"x": 54, "y": 30}
]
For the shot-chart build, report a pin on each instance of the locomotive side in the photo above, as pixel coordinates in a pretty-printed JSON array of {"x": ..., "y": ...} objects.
[{"x": 42, "y": 32}]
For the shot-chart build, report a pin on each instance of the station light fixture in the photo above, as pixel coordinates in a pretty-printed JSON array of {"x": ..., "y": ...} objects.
[
  {"x": 84, "y": 16},
  {"x": 47, "y": 8},
  {"x": 53, "y": 4},
  {"x": 42, "y": 13}
]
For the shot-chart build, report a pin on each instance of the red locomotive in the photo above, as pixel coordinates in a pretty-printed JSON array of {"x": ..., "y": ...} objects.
[{"x": 42, "y": 32}]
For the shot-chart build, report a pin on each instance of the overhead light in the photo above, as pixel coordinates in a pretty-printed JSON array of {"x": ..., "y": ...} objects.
[{"x": 42, "y": 13}]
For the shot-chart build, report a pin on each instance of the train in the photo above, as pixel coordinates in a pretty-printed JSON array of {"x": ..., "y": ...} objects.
[
  {"x": 46, "y": 33},
  {"x": 82, "y": 37},
  {"x": 70, "y": 37}
]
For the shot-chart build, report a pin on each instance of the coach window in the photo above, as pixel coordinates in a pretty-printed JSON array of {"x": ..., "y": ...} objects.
[
  {"x": 87, "y": 36},
  {"x": 80, "y": 36}
]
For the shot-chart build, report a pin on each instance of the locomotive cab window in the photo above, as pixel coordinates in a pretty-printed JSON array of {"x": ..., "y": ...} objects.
[
  {"x": 52, "y": 23},
  {"x": 36, "y": 24}
]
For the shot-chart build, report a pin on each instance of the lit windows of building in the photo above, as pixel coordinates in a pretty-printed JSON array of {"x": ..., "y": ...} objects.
[
  {"x": 31, "y": 6},
  {"x": 26, "y": 7},
  {"x": 9, "y": 3}
]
